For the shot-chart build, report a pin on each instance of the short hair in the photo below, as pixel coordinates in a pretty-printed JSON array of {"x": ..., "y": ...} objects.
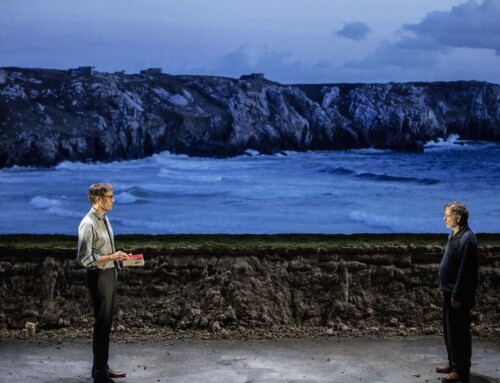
[
  {"x": 458, "y": 208},
  {"x": 98, "y": 190}
]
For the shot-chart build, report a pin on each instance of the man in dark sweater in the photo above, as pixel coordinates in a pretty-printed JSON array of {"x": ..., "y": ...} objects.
[{"x": 458, "y": 280}]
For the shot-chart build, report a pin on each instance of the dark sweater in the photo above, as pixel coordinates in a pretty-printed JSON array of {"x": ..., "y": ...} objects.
[{"x": 458, "y": 271}]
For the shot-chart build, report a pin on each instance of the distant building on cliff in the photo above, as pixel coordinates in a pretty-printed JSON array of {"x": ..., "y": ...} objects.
[
  {"x": 151, "y": 71},
  {"x": 253, "y": 76},
  {"x": 85, "y": 70}
]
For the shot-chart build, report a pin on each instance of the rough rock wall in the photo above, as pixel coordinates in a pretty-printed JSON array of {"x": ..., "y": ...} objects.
[
  {"x": 49, "y": 116},
  {"x": 372, "y": 291}
]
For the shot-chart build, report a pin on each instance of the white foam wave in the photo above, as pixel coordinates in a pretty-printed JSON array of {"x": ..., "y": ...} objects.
[
  {"x": 41, "y": 202},
  {"x": 368, "y": 151},
  {"x": 252, "y": 153},
  {"x": 67, "y": 165},
  {"x": 125, "y": 198},
  {"x": 453, "y": 141},
  {"x": 167, "y": 156},
  {"x": 61, "y": 212},
  {"x": 53, "y": 207},
  {"x": 167, "y": 173},
  {"x": 395, "y": 224},
  {"x": 20, "y": 169},
  {"x": 450, "y": 141},
  {"x": 85, "y": 166}
]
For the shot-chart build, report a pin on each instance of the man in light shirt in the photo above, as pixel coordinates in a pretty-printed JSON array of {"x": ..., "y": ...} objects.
[{"x": 96, "y": 252}]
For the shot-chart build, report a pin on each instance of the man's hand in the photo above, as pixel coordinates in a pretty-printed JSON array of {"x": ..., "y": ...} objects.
[
  {"x": 454, "y": 303},
  {"x": 119, "y": 256}
]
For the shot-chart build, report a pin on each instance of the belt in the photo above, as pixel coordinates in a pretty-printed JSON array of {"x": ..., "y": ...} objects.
[{"x": 93, "y": 269}]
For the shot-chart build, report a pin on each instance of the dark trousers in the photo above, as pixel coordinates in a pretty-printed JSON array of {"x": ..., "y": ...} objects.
[
  {"x": 457, "y": 337},
  {"x": 102, "y": 284}
]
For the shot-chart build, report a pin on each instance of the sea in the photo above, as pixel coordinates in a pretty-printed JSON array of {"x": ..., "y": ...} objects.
[{"x": 329, "y": 192}]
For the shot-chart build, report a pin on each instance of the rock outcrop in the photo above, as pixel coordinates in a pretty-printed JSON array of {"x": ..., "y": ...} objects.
[
  {"x": 353, "y": 290},
  {"x": 49, "y": 116}
]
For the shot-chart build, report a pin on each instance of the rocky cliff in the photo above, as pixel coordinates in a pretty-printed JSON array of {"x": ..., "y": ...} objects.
[
  {"x": 49, "y": 116},
  {"x": 359, "y": 288}
]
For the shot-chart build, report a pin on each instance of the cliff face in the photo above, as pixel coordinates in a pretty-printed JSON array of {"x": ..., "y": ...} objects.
[
  {"x": 48, "y": 116},
  {"x": 357, "y": 290}
]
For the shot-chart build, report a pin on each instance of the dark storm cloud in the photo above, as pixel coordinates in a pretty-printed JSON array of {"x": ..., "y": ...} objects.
[
  {"x": 470, "y": 25},
  {"x": 354, "y": 31}
]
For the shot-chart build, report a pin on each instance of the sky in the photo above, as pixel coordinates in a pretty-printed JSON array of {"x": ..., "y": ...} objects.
[{"x": 290, "y": 41}]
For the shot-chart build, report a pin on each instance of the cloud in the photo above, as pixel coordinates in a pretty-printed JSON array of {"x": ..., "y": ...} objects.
[
  {"x": 469, "y": 25},
  {"x": 277, "y": 65},
  {"x": 408, "y": 53},
  {"x": 421, "y": 50},
  {"x": 354, "y": 31}
]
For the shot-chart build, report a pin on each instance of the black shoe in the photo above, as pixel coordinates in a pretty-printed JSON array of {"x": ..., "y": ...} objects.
[
  {"x": 443, "y": 368},
  {"x": 453, "y": 377},
  {"x": 109, "y": 373},
  {"x": 116, "y": 374}
]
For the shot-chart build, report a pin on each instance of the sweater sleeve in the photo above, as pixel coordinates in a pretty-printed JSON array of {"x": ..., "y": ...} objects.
[{"x": 467, "y": 276}]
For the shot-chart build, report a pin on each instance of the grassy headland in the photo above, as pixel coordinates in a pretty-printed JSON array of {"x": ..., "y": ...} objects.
[{"x": 243, "y": 241}]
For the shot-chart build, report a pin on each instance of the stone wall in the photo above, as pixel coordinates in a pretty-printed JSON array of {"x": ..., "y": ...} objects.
[{"x": 374, "y": 290}]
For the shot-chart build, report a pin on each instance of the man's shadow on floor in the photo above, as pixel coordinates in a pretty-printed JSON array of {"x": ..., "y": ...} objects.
[{"x": 476, "y": 378}]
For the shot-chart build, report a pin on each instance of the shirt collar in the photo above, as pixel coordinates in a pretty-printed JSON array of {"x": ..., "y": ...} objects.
[{"x": 96, "y": 213}]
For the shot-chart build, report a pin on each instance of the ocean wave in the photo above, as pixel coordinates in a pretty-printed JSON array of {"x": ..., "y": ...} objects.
[
  {"x": 342, "y": 171},
  {"x": 339, "y": 170},
  {"x": 252, "y": 152},
  {"x": 193, "y": 164},
  {"x": 166, "y": 156},
  {"x": 53, "y": 207},
  {"x": 450, "y": 140},
  {"x": 156, "y": 191},
  {"x": 395, "y": 224},
  {"x": 65, "y": 213},
  {"x": 391, "y": 223},
  {"x": 390, "y": 178},
  {"x": 368, "y": 151},
  {"x": 41, "y": 202},
  {"x": 453, "y": 141},
  {"x": 126, "y": 198},
  {"x": 177, "y": 176},
  {"x": 68, "y": 165},
  {"x": 97, "y": 165}
]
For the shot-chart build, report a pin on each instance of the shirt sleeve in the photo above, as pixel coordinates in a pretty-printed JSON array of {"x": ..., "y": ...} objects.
[{"x": 85, "y": 256}]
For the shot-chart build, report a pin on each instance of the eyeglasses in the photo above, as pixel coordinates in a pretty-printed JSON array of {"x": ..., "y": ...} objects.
[{"x": 109, "y": 196}]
